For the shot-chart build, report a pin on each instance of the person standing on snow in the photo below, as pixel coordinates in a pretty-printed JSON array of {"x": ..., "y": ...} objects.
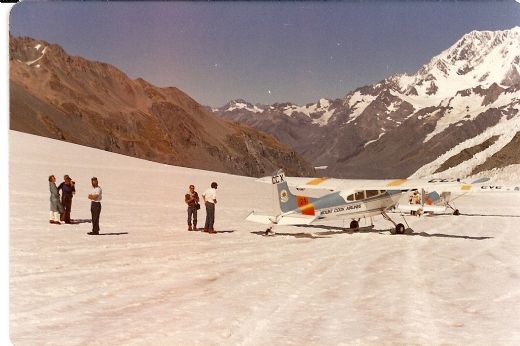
[
  {"x": 67, "y": 191},
  {"x": 192, "y": 200},
  {"x": 210, "y": 199},
  {"x": 95, "y": 205},
  {"x": 56, "y": 207}
]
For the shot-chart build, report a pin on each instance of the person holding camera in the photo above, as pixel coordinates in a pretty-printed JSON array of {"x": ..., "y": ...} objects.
[
  {"x": 68, "y": 190},
  {"x": 192, "y": 200}
]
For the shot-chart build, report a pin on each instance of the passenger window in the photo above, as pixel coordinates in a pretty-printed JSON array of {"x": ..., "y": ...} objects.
[
  {"x": 382, "y": 191},
  {"x": 372, "y": 193},
  {"x": 350, "y": 198},
  {"x": 360, "y": 195}
]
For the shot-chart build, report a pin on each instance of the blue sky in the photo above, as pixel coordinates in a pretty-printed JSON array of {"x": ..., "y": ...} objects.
[{"x": 260, "y": 51}]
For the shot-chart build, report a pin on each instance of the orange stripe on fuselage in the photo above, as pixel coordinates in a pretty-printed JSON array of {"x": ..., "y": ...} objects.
[
  {"x": 305, "y": 207},
  {"x": 396, "y": 182},
  {"x": 316, "y": 181}
]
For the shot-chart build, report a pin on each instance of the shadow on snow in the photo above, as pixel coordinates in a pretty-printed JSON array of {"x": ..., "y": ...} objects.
[{"x": 333, "y": 230}]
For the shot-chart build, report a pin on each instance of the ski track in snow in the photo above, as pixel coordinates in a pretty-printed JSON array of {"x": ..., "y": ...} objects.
[{"x": 454, "y": 280}]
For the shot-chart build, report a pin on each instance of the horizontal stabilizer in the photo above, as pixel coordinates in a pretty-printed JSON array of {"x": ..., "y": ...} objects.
[
  {"x": 292, "y": 219},
  {"x": 296, "y": 219},
  {"x": 260, "y": 218}
]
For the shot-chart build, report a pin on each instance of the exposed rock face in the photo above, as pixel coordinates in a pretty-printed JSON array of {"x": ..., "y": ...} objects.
[
  {"x": 466, "y": 154},
  {"x": 508, "y": 155},
  {"x": 394, "y": 127},
  {"x": 69, "y": 98}
]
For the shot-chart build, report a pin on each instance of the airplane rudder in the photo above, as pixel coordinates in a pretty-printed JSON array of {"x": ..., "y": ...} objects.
[{"x": 286, "y": 200}]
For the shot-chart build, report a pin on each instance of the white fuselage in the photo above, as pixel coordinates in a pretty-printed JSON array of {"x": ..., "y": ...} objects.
[{"x": 365, "y": 207}]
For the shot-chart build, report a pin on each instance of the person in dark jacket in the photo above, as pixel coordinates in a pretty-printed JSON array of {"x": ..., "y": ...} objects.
[
  {"x": 192, "y": 200},
  {"x": 68, "y": 190},
  {"x": 56, "y": 207}
]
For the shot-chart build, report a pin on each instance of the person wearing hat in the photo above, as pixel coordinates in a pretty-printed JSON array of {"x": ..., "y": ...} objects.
[
  {"x": 192, "y": 200},
  {"x": 95, "y": 205},
  {"x": 210, "y": 199},
  {"x": 68, "y": 190}
]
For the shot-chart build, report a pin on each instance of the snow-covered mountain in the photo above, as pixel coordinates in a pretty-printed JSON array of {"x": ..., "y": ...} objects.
[
  {"x": 297, "y": 126},
  {"x": 317, "y": 113},
  {"x": 469, "y": 92}
]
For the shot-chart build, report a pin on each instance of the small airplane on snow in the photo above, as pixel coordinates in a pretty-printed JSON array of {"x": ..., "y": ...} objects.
[{"x": 325, "y": 199}]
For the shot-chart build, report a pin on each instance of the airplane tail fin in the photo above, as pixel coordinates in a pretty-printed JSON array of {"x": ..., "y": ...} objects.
[{"x": 286, "y": 201}]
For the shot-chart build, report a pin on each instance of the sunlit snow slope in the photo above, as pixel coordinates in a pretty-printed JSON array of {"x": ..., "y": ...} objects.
[{"x": 147, "y": 281}]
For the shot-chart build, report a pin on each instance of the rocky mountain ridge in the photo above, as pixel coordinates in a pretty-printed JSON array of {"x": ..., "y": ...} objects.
[{"x": 95, "y": 104}]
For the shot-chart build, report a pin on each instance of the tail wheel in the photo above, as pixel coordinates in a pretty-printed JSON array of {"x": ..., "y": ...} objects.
[
  {"x": 354, "y": 224},
  {"x": 399, "y": 229},
  {"x": 456, "y": 212}
]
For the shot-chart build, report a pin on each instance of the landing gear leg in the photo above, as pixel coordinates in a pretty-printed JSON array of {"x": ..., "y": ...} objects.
[
  {"x": 399, "y": 227},
  {"x": 269, "y": 231},
  {"x": 456, "y": 212}
]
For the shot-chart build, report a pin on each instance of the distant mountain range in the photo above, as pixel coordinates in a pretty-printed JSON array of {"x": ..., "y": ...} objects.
[
  {"x": 459, "y": 110},
  {"x": 65, "y": 97}
]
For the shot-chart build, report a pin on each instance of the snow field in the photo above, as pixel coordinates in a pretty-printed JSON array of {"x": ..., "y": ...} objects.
[{"x": 147, "y": 281}]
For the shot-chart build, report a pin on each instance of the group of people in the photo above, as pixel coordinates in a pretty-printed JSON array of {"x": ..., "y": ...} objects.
[
  {"x": 210, "y": 199},
  {"x": 60, "y": 208}
]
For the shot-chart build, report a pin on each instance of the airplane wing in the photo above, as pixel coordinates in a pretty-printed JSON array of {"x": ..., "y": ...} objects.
[{"x": 333, "y": 184}]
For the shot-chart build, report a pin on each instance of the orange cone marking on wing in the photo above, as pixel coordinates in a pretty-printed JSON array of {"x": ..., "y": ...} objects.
[
  {"x": 316, "y": 181},
  {"x": 396, "y": 182}
]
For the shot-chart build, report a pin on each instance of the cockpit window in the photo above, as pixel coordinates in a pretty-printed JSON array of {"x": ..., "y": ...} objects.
[
  {"x": 350, "y": 197},
  {"x": 372, "y": 193},
  {"x": 359, "y": 195}
]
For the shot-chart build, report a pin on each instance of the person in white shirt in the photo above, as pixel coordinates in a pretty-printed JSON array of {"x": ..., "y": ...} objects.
[
  {"x": 95, "y": 205},
  {"x": 210, "y": 199}
]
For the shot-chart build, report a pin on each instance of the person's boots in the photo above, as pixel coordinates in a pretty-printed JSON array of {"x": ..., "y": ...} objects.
[
  {"x": 189, "y": 228},
  {"x": 195, "y": 226},
  {"x": 212, "y": 231}
]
